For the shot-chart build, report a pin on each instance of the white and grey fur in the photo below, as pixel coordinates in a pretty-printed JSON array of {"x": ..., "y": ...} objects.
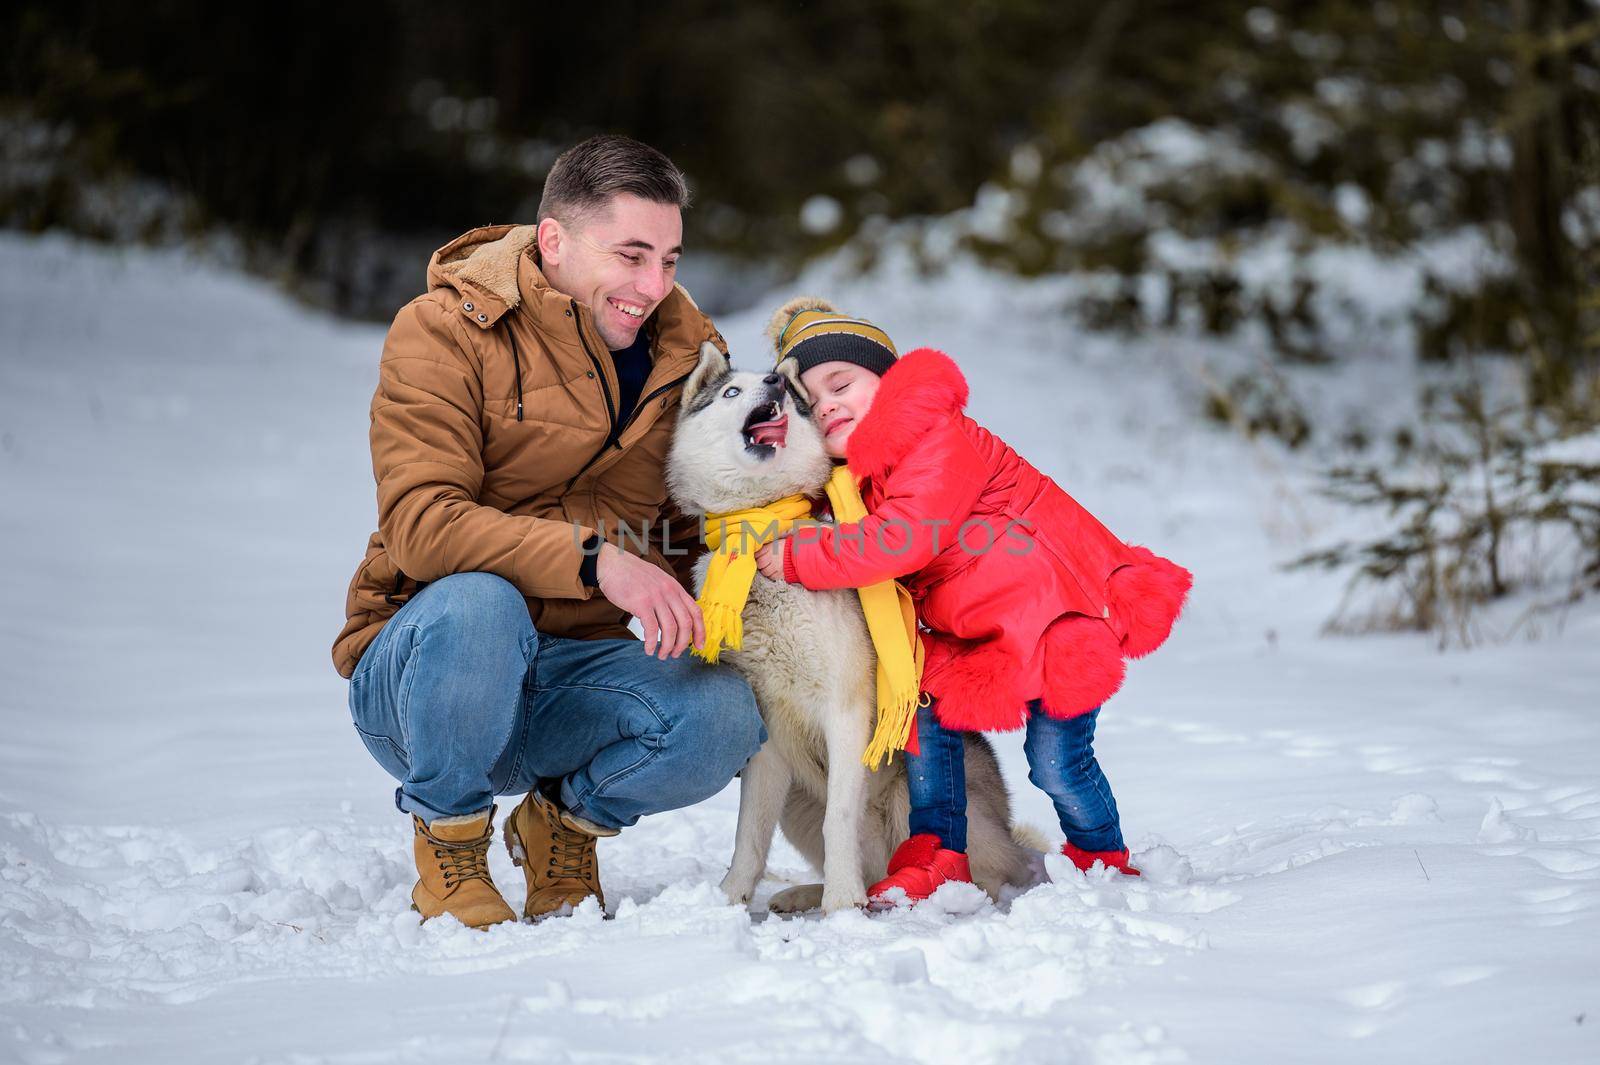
[{"x": 809, "y": 660}]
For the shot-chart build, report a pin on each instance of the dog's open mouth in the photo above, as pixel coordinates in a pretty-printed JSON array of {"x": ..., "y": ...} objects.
[{"x": 767, "y": 426}]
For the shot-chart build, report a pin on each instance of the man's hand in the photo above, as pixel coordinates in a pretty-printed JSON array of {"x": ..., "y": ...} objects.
[
  {"x": 670, "y": 618},
  {"x": 769, "y": 558}
]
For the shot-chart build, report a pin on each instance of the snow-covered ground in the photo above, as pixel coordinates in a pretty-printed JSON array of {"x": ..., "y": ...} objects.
[{"x": 1357, "y": 849}]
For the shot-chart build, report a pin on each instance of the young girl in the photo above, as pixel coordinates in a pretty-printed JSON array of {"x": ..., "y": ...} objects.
[{"x": 1030, "y": 604}]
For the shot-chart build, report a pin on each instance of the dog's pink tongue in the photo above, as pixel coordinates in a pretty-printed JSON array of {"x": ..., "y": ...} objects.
[{"x": 772, "y": 433}]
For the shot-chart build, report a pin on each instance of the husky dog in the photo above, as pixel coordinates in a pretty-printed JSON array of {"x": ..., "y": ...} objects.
[{"x": 744, "y": 440}]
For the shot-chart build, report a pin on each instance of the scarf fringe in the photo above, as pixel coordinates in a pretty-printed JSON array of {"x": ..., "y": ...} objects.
[
  {"x": 733, "y": 538},
  {"x": 724, "y": 628},
  {"x": 894, "y": 728}
]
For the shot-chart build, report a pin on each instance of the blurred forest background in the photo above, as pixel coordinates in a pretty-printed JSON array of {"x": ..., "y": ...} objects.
[{"x": 1332, "y": 180}]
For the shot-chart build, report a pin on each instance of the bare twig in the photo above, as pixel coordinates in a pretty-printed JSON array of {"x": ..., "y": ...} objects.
[{"x": 314, "y": 935}]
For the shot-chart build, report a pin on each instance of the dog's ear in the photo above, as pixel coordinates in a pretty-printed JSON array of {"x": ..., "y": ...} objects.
[
  {"x": 802, "y": 400},
  {"x": 712, "y": 367}
]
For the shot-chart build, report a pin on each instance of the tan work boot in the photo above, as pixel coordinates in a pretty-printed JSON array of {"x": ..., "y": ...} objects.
[
  {"x": 555, "y": 849},
  {"x": 453, "y": 870}
]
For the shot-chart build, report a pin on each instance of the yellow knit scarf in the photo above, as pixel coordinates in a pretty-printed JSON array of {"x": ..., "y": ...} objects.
[{"x": 891, "y": 617}]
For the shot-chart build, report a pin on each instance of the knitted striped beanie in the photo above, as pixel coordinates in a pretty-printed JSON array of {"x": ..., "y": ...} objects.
[{"x": 811, "y": 331}]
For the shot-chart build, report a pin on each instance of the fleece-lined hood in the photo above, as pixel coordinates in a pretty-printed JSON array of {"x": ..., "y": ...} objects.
[{"x": 920, "y": 392}]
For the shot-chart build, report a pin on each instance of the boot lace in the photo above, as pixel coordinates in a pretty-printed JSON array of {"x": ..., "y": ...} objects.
[
  {"x": 465, "y": 861},
  {"x": 571, "y": 854}
]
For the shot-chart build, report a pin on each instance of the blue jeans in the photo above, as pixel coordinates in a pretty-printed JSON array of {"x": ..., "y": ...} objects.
[
  {"x": 460, "y": 700},
  {"x": 1061, "y": 763},
  {"x": 937, "y": 780}
]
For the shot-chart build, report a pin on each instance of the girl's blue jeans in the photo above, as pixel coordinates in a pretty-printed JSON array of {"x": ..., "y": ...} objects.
[{"x": 1061, "y": 763}]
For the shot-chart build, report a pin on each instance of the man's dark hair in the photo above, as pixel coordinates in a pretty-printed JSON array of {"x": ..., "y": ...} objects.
[{"x": 587, "y": 175}]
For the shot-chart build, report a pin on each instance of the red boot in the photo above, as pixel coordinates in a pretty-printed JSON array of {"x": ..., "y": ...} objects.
[
  {"x": 1083, "y": 859},
  {"x": 919, "y": 866}
]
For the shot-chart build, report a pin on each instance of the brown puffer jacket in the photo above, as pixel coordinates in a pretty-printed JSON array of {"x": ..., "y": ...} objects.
[{"x": 497, "y": 446}]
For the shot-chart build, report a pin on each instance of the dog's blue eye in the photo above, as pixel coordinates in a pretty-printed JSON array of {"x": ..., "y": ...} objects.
[{"x": 730, "y": 391}]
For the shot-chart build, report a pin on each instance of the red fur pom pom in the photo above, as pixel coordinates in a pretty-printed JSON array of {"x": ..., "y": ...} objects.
[
  {"x": 1148, "y": 596},
  {"x": 976, "y": 689},
  {"x": 1083, "y": 665}
]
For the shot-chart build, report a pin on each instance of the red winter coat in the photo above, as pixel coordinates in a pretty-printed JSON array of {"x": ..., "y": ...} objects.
[{"x": 1049, "y": 611}]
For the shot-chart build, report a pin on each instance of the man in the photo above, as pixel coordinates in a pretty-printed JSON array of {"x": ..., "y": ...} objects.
[{"x": 523, "y": 412}]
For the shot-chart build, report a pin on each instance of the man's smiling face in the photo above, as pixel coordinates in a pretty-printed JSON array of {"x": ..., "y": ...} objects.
[{"x": 620, "y": 262}]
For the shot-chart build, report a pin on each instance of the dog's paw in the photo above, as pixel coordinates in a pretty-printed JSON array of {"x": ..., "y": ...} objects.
[
  {"x": 835, "y": 900},
  {"x": 796, "y": 899},
  {"x": 737, "y": 889}
]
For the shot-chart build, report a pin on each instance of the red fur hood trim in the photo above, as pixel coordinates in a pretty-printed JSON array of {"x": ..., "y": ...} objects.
[{"x": 922, "y": 389}]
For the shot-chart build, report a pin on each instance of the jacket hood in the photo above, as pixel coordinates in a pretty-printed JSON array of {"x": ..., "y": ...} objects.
[
  {"x": 494, "y": 268},
  {"x": 919, "y": 392},
  {"x": 481, "y": 264}
]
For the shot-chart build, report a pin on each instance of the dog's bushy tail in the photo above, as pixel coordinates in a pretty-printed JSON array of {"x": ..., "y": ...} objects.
[{"x": 1031, "y": 837}]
